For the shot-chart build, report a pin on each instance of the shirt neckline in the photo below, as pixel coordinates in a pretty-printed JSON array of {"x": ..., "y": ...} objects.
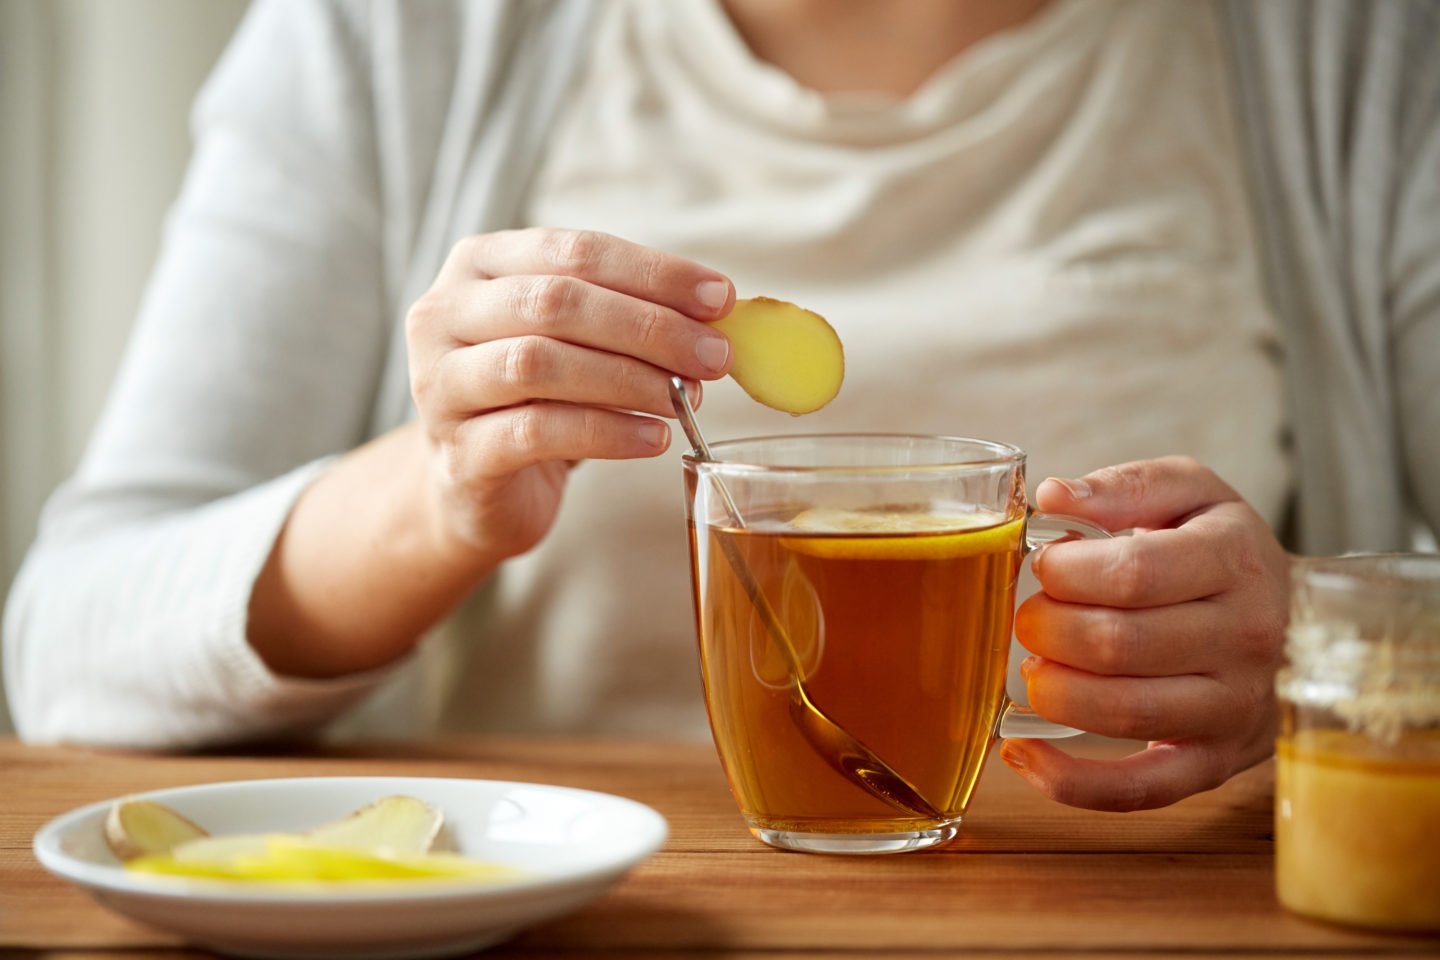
[{"x": 722, "y": 61}]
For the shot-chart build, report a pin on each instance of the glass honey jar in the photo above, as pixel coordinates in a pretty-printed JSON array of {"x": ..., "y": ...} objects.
[{"x": 1357, "y": 793}]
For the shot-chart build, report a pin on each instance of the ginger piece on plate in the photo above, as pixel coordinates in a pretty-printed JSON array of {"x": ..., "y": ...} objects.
[{"x": 138, "y": 828}]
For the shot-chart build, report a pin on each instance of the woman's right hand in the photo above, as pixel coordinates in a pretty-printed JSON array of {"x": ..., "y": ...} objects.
[{"x": 528, "y": 354}]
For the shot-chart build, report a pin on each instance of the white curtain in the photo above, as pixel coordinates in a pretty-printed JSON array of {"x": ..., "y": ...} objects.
[{"x": 94, "y": 98}]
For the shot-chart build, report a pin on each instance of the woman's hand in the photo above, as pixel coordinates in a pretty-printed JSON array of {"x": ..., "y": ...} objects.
[
  {"x": 530, "y": 352},
  {"x": 533, "y": 349},
  {"x": 1172, "y": 635}
]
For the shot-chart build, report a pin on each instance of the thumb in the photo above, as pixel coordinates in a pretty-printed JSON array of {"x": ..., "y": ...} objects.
[{"x": 1143, "y": 493}]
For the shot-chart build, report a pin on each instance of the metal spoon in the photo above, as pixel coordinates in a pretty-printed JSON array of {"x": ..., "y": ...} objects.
[{"x": 850, "y": 758}]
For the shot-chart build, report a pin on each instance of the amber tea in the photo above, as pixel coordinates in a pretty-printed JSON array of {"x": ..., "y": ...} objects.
[
  {"x": 853, "y": 599},
  {"x": 901, "y": 621}
]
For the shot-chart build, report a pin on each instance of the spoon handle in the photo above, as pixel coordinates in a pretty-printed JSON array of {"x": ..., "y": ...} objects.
[
  {"x": 686, "y": 414},
  {"x": 680, "y": 400}
]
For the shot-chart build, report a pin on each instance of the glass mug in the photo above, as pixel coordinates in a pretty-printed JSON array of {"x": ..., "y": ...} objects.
[
  {"x": 1357, "y": 778},
  {"x": 854, "y": 595}
]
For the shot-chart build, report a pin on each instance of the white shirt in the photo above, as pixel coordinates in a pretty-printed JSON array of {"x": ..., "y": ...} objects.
[{"x": 1047, "y": 244}]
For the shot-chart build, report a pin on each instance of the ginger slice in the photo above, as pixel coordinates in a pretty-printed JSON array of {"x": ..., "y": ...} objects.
[
  {"x": 392, "y": 826},
  {"x": 137, "y": 828},
  {"x": 395, "y": 825},
  {"x": 391, "y": 839},
  {"x": 785, "y": 356}
]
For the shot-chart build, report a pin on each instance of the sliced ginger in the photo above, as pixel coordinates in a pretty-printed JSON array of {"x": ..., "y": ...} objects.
[
  {"x": 398, "y": 825},
  {"x": 137, "y": 828},
  {"x": 391, "y": 839},
  {"x": 785, "y": 356}
]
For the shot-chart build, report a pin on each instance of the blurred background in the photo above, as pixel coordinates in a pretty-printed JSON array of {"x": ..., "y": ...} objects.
[{"x": 94, "y": 101}]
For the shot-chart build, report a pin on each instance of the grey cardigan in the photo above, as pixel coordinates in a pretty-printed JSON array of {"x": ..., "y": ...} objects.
[
  {"x": 1340, "y": 106},
  {"x": 342, "y": 148}
]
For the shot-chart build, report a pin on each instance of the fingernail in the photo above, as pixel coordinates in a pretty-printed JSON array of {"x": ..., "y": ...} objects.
[
  {"x": 653, "y": 433},
  {"x": 1013, "y": 755},
  {"x": 1079, "y": 489},
  {"x": 713, "y": 294},
  {"x": 712, "y": 352},
  {"x": 1028, "y": 665},
  {"x": 693, "y": 391}
]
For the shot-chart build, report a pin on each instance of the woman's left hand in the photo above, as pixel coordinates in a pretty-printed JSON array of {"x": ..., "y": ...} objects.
[{"x": 1172, "y": 635}]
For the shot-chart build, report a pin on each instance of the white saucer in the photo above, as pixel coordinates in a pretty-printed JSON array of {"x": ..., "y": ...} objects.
[{"x": 575, "y": 843}]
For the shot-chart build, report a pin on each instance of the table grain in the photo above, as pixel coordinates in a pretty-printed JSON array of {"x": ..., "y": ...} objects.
[{"x": 1028, "y": 877}]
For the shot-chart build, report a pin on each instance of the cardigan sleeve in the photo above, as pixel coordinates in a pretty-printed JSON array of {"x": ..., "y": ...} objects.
[
  {"x": 254, "y": 359},
  {"x": 1415, "y": 270}
]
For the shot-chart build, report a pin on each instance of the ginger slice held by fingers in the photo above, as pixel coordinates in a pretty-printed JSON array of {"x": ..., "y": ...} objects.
[{"x": 785, "y": 356}]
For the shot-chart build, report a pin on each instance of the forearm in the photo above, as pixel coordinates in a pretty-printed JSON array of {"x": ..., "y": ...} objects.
[
  {"x": 126, "y": 625},
  {"x": 362, "y": 567}
]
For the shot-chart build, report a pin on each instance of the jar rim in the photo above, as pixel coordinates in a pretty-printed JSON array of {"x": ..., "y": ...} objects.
[{"x": 1410, "y": 573}]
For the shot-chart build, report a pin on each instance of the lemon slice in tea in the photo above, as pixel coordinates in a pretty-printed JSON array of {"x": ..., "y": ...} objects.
[{"x": 895, "y": 535}]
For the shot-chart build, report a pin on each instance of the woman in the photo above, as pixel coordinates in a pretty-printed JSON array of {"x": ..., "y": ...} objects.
[{"x": 1105, "y": 231}]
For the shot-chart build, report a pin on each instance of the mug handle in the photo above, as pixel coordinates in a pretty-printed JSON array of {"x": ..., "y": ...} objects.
[{"x": 1041, "y": 529}]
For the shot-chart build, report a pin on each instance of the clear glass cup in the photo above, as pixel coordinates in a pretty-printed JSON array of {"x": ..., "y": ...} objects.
[
  {"x": 854, "y": 597},
  {"x": 1357, "y": 791}
]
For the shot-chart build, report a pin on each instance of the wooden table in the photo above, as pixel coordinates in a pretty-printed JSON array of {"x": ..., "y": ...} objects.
[{"x": 1029, "y": 877}]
